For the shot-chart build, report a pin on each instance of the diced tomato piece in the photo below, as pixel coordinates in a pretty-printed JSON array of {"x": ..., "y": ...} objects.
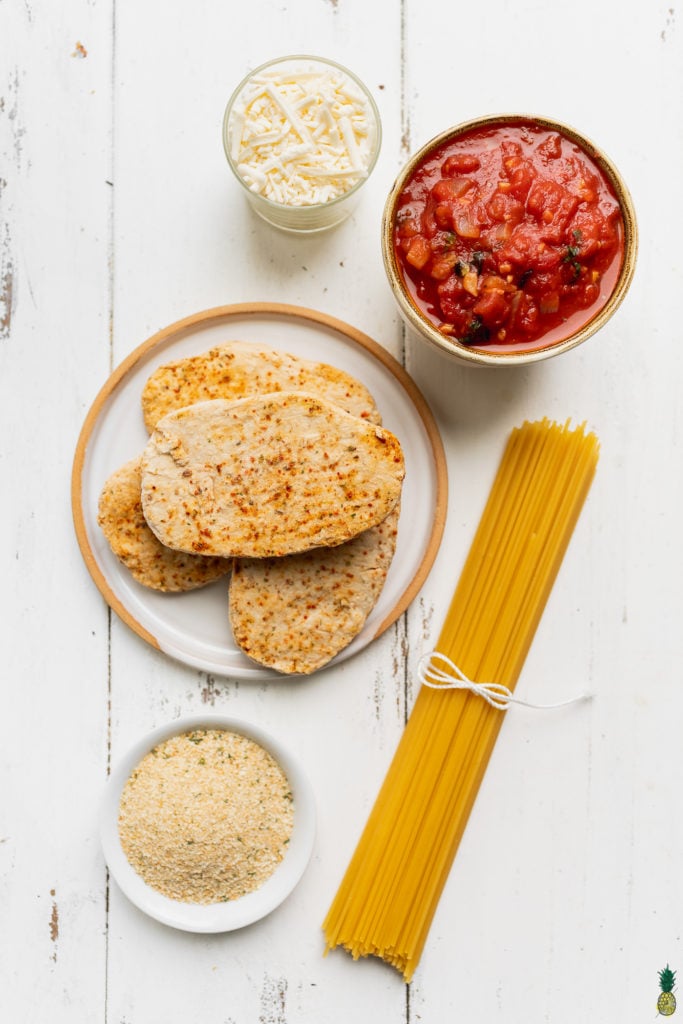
[
  {"x": 429, "y": 225},
  {"x": 578, "y": 178},
  {"x": 542, "y": 282},
  {"x": 453, "y": 300},
  {"x": 525, "y": 250},
  {"x": 451, "y": 288},
  {"x": 567, "y": 171},
  {"x": 448, "y": 189},
  {"x": 553, "y": 206},
  {"x": 505, "y": 208},
  {"x": 509, "y": 147},
  {"x": 548, "y": 258},
  {"x": 443, "y": 265},
  {"x": 551, "y": 148},
  {"x": 465, "y": 223},
  {"x": 520, "y": 173},
  {"x": 443, "y": 217},
  {"x": 492, "y": 307},
  {"x": 460, "y": 163},
  {"x": 589, "y": 294},
  {"x": 419, "y": 252},
  {"x": 521, "y": 248},
  {"x": 591, "y": 233},
  {"x": 407, "y": 227}
]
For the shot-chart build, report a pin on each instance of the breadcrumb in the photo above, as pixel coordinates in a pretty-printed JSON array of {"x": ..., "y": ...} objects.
[{"x": 206, "y": 816}]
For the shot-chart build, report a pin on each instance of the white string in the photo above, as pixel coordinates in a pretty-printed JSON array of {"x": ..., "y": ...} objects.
[{"x": 495, "y": 694}]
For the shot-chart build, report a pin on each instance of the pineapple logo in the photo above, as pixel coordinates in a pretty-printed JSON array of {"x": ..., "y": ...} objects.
[{"x": 666, "y": 1004}]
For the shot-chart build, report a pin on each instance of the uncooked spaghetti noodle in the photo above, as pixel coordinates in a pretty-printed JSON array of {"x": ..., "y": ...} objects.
[{"x": 388, "y": 896}]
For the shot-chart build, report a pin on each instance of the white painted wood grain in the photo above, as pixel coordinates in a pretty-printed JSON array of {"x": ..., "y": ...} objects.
[
  {"x": 54, "y": 350},
  {"x": 118, "y": 216}
]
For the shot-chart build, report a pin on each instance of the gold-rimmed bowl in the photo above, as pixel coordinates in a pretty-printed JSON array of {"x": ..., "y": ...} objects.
[{"x": 428, "y": 330}]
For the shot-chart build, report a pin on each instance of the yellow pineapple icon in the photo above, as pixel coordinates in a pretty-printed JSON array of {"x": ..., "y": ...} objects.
[{"x": 666, "y": 1004}]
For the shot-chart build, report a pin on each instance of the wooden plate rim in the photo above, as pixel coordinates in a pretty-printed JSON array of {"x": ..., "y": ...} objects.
[{"x": 227, "y": 312}]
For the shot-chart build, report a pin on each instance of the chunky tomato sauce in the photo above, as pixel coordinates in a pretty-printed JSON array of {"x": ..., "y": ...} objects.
[{"x": 509, "y": 237}]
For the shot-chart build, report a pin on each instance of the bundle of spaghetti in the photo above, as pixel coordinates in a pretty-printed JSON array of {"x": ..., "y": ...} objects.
[{"x": 389, "y": 894}]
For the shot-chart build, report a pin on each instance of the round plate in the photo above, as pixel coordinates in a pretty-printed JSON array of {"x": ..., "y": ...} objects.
[
  {"x": 194, "y": 627},
  {"x": 214, "y": 917}
]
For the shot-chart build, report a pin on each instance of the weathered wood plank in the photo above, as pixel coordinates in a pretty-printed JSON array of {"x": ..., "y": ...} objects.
[{"x": 55, "y": 150}]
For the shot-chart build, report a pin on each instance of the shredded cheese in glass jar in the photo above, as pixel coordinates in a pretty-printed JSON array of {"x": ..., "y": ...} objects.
[{"x": 301, "y": 134}]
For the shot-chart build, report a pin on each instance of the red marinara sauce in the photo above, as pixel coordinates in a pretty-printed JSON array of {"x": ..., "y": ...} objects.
[{"x": 509, "y": 237}]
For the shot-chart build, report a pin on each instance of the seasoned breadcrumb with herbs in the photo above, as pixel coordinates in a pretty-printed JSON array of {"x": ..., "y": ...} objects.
[{"x": 206, "y": 816}]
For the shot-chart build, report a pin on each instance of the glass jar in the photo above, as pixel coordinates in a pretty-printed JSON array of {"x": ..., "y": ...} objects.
[{"x": 302, "y": 134}]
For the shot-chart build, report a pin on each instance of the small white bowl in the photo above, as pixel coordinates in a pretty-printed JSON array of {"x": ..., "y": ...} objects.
[{"x": 214, "y": 917}]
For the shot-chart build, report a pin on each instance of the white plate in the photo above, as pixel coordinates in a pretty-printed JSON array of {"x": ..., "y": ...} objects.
[
  {"x": 194, "y": 627},
  {"x": 215, "y": 917}
]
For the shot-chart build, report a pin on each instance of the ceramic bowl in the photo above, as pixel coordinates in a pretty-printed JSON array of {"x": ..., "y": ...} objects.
[
  {"x": 215, "y": 917},
  {"x": 420, "y": 322}
]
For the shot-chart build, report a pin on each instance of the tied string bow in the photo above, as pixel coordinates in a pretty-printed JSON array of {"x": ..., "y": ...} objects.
[{"x": 450, "y": 677}]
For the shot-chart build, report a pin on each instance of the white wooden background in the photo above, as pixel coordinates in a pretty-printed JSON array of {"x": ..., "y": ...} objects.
[{"x": 117, "y": 217}]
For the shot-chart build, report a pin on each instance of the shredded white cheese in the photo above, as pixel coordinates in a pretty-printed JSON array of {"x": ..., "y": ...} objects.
[{"x": 301, "y": 135}]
